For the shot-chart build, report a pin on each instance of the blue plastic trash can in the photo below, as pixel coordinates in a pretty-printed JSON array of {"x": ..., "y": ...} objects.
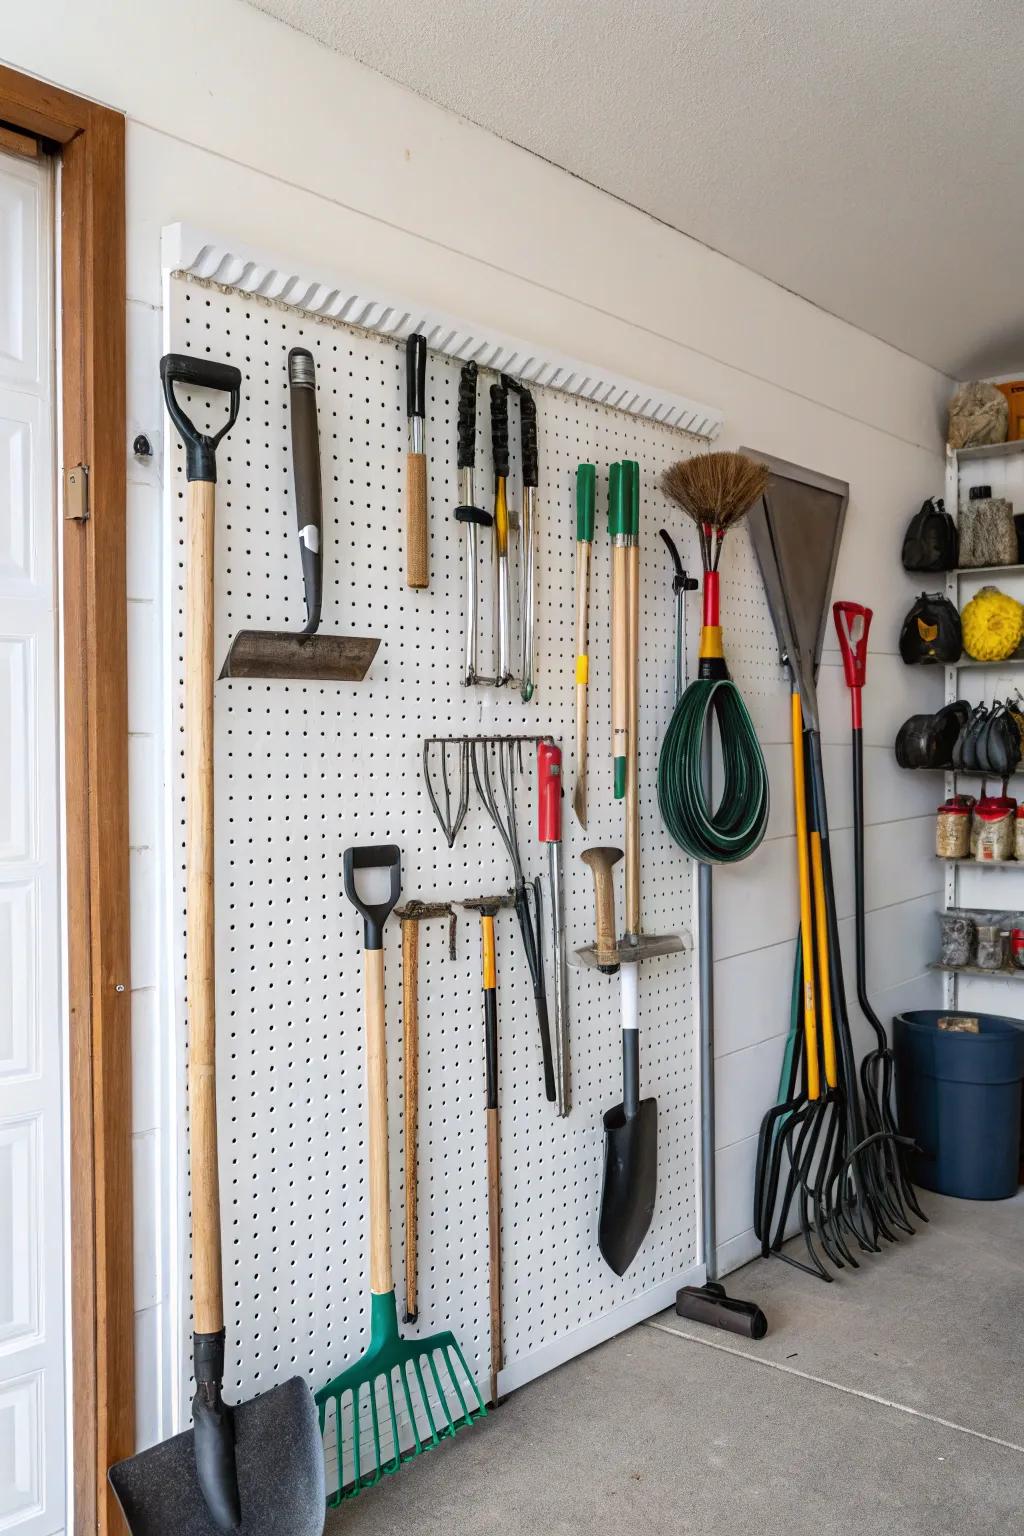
[{"x": 959, "y": 1096}]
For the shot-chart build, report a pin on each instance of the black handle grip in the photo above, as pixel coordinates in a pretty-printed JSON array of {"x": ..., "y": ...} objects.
[
  {"x": 499, "y": 429},
  {"x": 416, "y": 375},
  {"x": 467, "y": 416},
  {"x": 306, "y": 472},
  {"x": 528, "y": 436},
  {"x": 200, "y": 373},
  {"x": 375, "y": 913},
  {"x": 491, "y": 1044}
]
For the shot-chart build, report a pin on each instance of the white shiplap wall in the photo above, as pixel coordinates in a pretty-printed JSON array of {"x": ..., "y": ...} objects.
[{"x": 589, "y": 277}]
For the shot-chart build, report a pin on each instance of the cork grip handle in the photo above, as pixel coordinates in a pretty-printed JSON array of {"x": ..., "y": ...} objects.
[
  {"x": 208, "y": 1303},
  {"x": 602, "y": 861},
  {"x": 381, "y": 1278},
  {"x": 417, "y": 562}
]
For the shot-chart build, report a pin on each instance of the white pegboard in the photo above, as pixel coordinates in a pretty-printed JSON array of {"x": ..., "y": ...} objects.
[{"x": 305, "y": 770}]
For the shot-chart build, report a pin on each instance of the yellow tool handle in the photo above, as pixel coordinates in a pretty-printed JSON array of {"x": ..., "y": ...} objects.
[
  {"x": 828, "y": 1038},
  {"x": 806, "y": 919},
  {"x": 490, "y": 965},
  {"x": 500, "y": 516}
]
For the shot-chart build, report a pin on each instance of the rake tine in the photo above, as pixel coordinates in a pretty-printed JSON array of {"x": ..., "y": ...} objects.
[
  {"x": 442, "y": 1399},
  {"x": 356, "y": 1436},
  {"x": 424, "y": 1394},
  {"x": 409, "y": 1409},
  {"x": 377, "y": 1471},
  {"x": 481, "y": 1407},
  {"x": 455, "y": 1384},
  {"x": 395, "y": 1441}
]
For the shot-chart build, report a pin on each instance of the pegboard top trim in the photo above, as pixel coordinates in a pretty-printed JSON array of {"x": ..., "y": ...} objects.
[{"x": 198, "y": 253}]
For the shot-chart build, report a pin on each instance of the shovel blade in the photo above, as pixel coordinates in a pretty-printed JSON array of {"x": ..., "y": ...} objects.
[
  {"x": 630, "y": 1182},
  {"x": 302, "y": 658},
  {"x": 279, "y": 1463}
]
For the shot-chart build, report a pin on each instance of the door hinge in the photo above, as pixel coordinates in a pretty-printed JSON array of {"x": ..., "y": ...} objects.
[{"x": 76, "y": 493}]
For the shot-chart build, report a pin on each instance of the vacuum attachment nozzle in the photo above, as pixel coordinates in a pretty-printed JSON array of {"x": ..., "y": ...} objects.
[{"x": 710, "y": 1305}]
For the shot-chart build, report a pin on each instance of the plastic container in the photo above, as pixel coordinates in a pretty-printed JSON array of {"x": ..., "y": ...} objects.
[
  {"x": 993, "y": 829},
  {"x": 953, "y": 828},
  {"x": 959, "y": 1097},
  {"x": 957, "y": 937},
  {"x": 990, "y": 941}
]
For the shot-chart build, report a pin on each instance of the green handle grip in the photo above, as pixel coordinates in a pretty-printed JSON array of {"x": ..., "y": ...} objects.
[
  {"x": 586, "y": 497},
  {"x": 631, "y": 495},
  {"x": 618, "y": 521}
]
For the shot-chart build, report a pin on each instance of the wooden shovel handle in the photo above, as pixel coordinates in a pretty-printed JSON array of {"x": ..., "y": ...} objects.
[
  {"x": 410, "y": 1058},
  {"x": 620, "y": 653},
  {"x": 381, "y": 1278},
  {"x": 417, "y": 560},
  {"x": 208, "y": 1304},
  {"x": 602, "y": 861},
  {"x": 632, "y": 925}
]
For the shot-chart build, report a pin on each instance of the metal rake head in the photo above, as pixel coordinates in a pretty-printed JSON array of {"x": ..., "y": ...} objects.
[
  {"x": 449, "y": 824},
  {"x": 507, "y": 755},
  {"x": 391, "y": 1406}
]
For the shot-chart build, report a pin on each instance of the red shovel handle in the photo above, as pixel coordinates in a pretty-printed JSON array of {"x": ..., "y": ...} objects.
[
  {"x": 853, "y": 621},
  {"x": 549, "y": 792}
]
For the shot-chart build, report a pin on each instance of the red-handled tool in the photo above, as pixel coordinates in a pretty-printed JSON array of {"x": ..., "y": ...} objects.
[
  {"x": 549, "y": 830},
  {"x": 852, "y": 621}
]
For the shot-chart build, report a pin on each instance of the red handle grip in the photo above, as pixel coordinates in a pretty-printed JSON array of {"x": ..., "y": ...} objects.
[
  {"x": 852, "y": 622},
  {"x": 549, "y": 792}
]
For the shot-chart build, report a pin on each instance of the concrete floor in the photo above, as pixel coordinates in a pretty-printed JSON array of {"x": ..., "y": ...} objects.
[{"x": 889, "y": 1402}]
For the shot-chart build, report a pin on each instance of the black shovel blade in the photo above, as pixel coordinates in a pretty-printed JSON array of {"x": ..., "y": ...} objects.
[
  {"x": 630, "y": 1182},
  {"x": 273, "y": 653},
  {"x": 279, "y": 1463}
]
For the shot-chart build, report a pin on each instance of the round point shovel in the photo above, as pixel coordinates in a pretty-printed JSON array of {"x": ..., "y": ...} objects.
[
  {"x": 254, "y": 1467},
  {"x": 630, "y": 1145}
]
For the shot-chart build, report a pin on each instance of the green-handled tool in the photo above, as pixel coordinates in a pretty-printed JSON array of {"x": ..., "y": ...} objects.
[
  {"x": 586, "y": 478},
  {"x": 618, "y": 532},
  {"x": 354, "y": 1402}
]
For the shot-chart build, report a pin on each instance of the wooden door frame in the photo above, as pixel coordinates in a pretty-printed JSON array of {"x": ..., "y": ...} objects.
[{"x": 89, "y": 140}]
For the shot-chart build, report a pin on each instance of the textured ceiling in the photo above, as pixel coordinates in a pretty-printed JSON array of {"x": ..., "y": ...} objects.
[{"x": 869, "y": 156}]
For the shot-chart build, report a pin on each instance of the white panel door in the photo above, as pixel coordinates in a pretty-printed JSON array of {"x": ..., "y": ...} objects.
[{"x": 32, "y": 1035}]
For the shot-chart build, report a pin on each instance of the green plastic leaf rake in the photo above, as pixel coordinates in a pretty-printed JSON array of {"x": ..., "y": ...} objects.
[
  {"x": 402, "y": 1391},
  {"x": 361, "y": 1411}
]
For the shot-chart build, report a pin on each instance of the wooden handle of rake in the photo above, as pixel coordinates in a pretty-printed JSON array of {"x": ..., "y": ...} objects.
[
  {"x": 410, "y": 1104},
  {"x": 620, "y": 666},
  {"x": 806, "y": 920},
  {"x": 207, "y": 1296},
  {"x": 381, "y": 1278}
]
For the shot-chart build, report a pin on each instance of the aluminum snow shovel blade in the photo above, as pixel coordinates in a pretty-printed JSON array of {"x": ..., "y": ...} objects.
[
  {"x": 630, "y": 1182},
  {"x": 279, "y": 1463}
]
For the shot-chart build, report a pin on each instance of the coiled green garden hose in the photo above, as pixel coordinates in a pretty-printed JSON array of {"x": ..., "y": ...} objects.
[{"x": 730, "y": 831}]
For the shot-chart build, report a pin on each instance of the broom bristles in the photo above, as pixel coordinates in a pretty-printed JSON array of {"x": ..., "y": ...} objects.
[{"x": 715, "y": 489}]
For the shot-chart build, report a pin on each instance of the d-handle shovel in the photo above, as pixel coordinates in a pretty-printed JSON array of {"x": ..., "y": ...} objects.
[{"x": 255, "y": 1467}]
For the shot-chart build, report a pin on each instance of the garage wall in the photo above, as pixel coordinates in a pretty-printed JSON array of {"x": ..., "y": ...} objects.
[{"x": 242, "y": 126}]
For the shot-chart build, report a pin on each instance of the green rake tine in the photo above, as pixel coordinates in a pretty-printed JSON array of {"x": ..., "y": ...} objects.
[
  {"x": 394, "y": 1426},
  {"x": 481, "y": 1405},
  {"x": 377, "y": 1472},
  {"x": 442, "y": 1399},
  {"x": 455, "y": 1384},
  {"x": 358, "y": 1480},
  {"x": 434, "y": 1437},
  {"x": 411, "y": 1411}
]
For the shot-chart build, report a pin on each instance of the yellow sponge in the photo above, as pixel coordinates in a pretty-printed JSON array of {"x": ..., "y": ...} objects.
[{"x": 993, "y": 625}]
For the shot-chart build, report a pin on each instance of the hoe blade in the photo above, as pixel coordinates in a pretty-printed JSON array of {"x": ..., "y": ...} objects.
[
  {"x": 630, "y": 1182},
  {"x": 303, "y": 658},
  {"x": 279, "y": 1463}
]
